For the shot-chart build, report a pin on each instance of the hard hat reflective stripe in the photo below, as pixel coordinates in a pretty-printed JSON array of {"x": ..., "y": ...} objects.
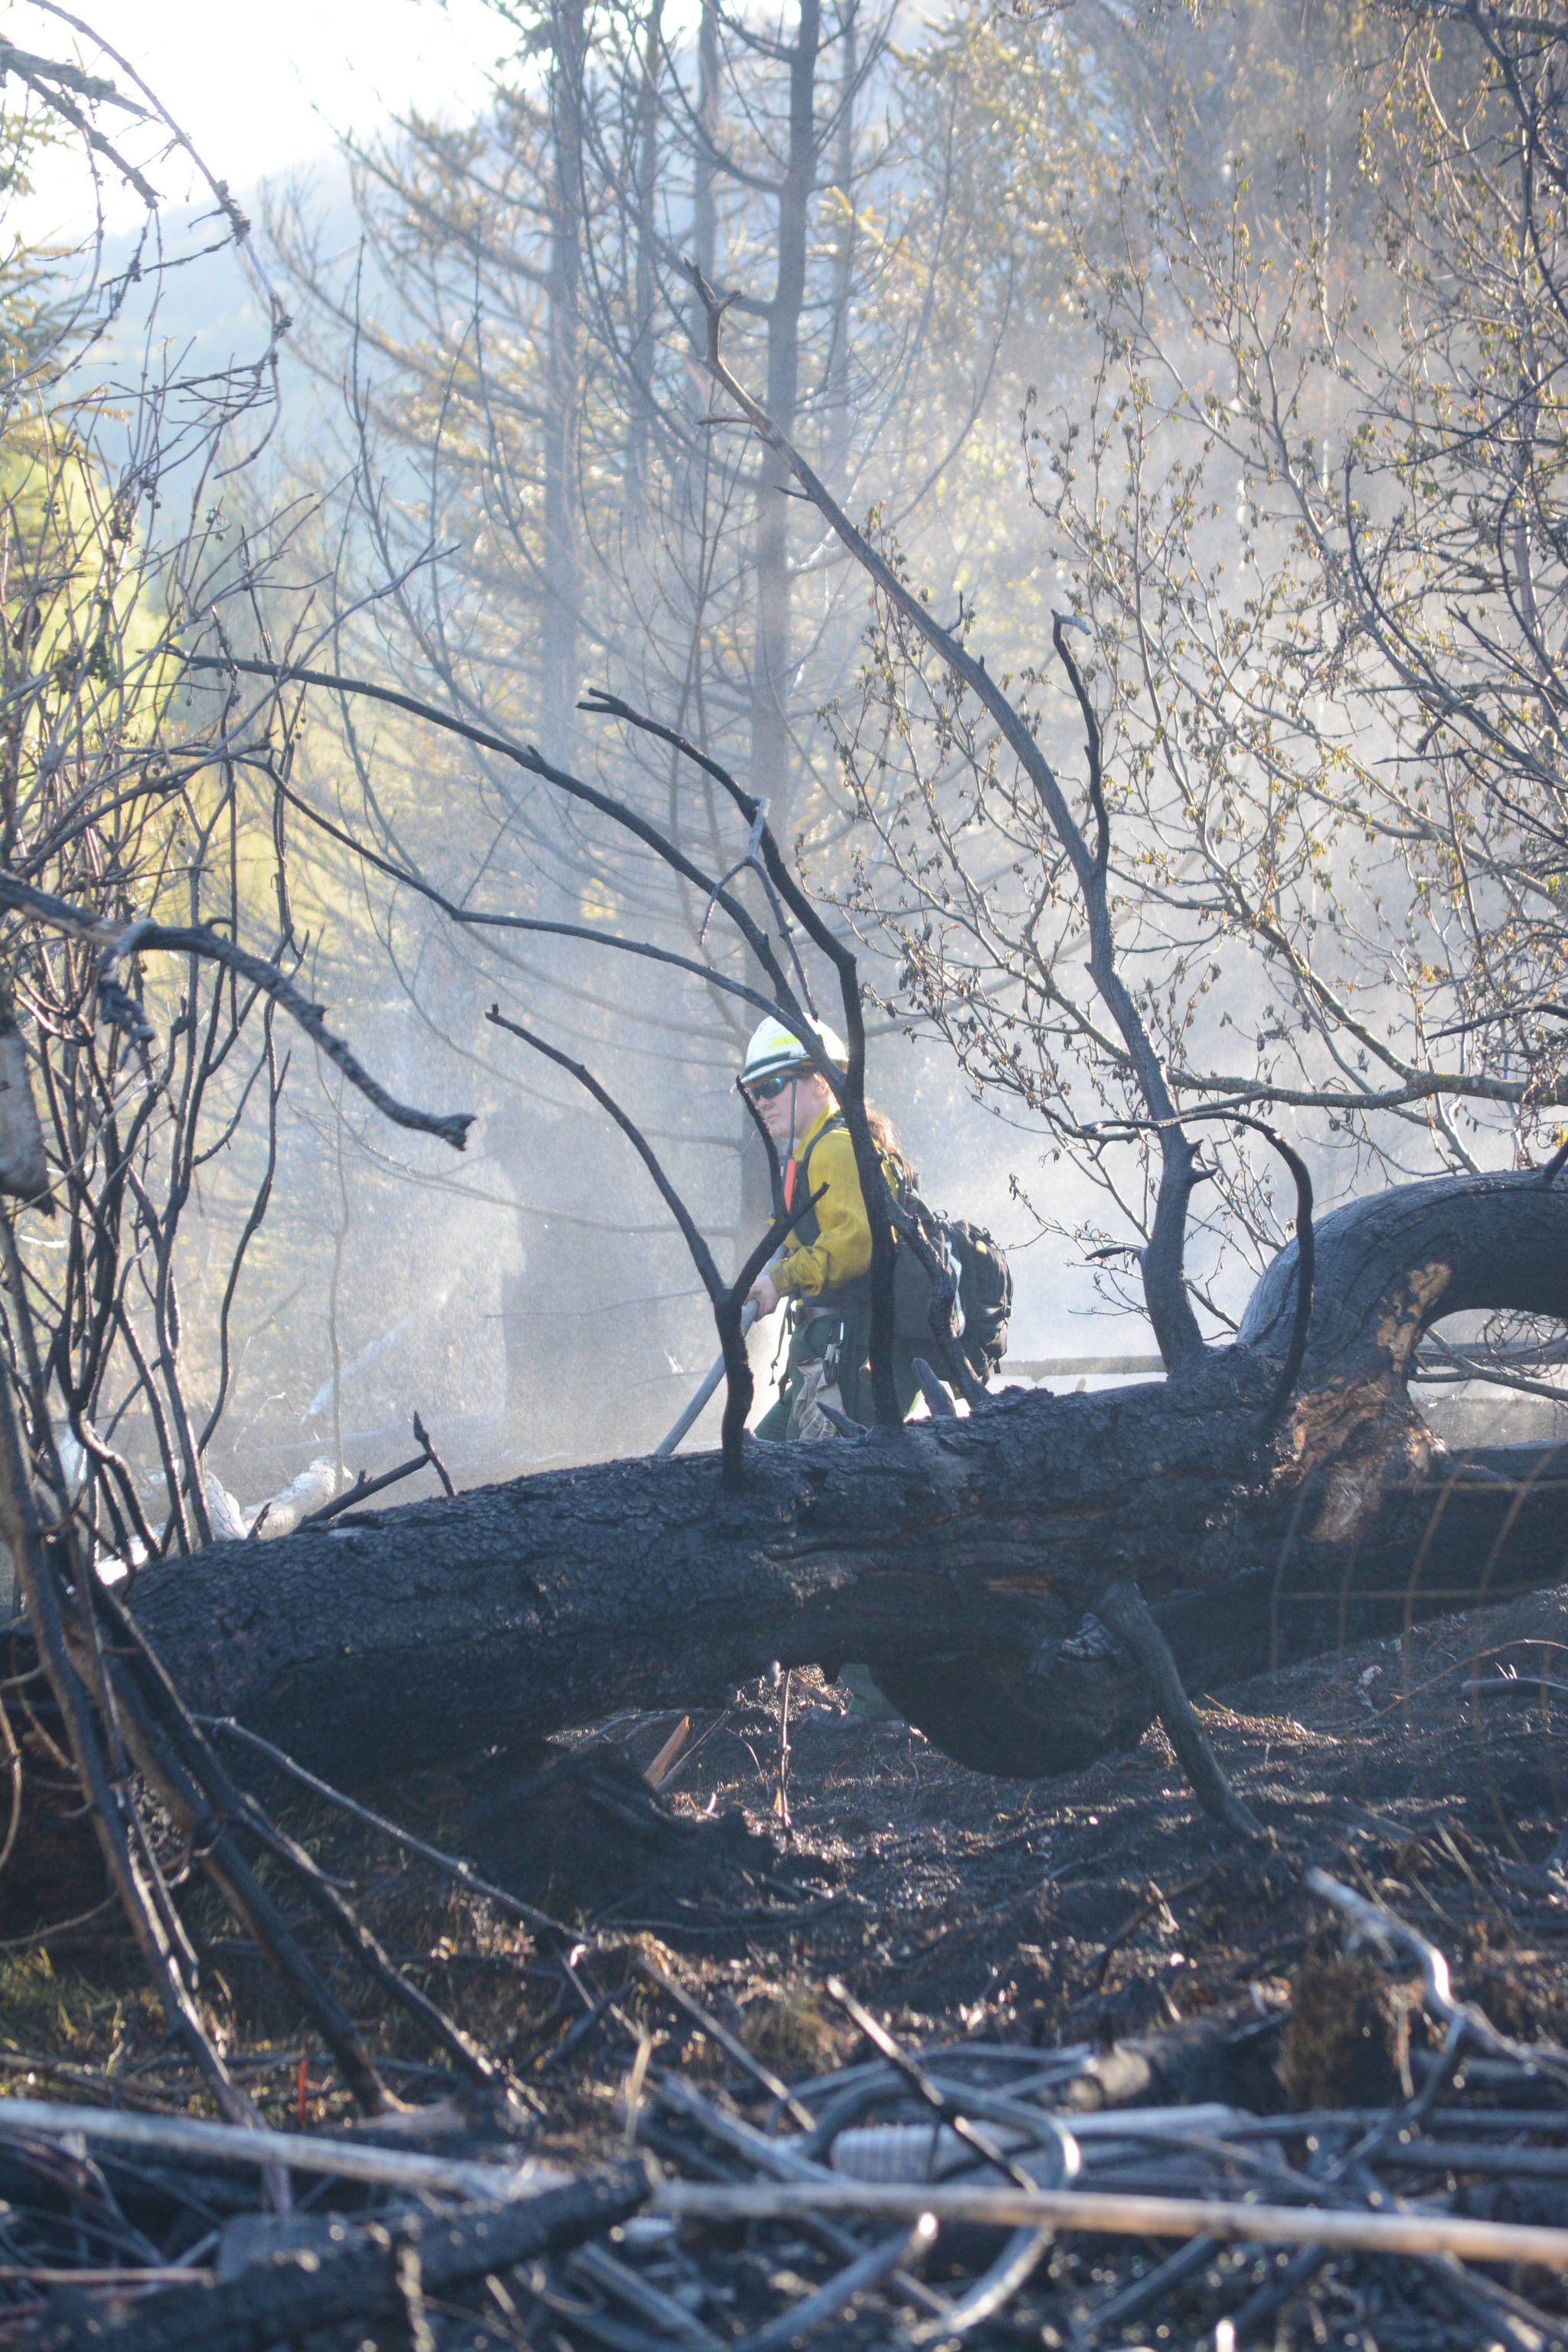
[{"x": 774, "y": 1048}]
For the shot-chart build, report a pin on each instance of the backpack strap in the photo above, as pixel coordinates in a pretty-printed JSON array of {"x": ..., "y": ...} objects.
[
  {"x": 829, "y": 1126},
  {"x": 805, "y": 1230}
]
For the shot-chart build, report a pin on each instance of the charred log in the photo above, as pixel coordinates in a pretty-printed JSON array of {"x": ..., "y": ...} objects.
[{"x": 964, "y": 1558}]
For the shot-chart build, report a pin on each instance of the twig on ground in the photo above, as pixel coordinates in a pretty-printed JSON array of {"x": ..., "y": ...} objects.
[
  {"x": 366, "y": 2275},
  {"x": 342, "y": 2159},
  {"x": 1119, "y": 2214},
  {"x": 1391, "y": 1937}
]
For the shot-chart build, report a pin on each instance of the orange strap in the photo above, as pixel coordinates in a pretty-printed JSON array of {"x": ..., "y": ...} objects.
[{"x": 791, "y": 1169}]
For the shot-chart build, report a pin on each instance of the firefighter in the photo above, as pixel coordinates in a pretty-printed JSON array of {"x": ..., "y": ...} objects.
[
  {"x": 823, "y": 1270},
  {"x": 824, "y": 1266}
]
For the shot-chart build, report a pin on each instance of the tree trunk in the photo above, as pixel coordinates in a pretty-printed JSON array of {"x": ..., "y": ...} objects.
[
  {"x": 960, "y": 1557},
  {"x": 772, "y": 778},
  {"x": 641, "y": 404},
  {"x": 558, "y": 627}
]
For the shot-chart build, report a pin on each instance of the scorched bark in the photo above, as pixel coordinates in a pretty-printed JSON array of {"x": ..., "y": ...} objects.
[{"x": 961, "y": 1558}]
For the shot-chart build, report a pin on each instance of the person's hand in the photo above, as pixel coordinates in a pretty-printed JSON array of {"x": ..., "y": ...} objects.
[{"x": 764, "y": 1290}]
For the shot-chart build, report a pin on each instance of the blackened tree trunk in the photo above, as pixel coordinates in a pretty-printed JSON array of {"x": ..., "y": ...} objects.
[{"x": 960, "y": 1556}]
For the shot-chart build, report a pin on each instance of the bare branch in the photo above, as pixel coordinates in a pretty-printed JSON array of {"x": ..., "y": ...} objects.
[
  {"x": 200, "y": 940},
  {"x": 1169, "y": 1309}
]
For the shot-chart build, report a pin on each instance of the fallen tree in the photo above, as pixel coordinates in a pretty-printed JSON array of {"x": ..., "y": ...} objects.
[{"x": 961, "y": 1556}]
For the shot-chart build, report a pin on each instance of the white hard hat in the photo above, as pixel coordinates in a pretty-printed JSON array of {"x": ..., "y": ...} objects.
[{"x": 774, "y": 1048}]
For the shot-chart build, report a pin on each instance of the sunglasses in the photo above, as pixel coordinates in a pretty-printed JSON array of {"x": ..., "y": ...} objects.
[{"x": 765, "y": 1090}]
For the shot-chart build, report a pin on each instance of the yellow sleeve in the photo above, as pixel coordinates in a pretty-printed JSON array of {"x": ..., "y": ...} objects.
[{"x": 843, "y": 1245}]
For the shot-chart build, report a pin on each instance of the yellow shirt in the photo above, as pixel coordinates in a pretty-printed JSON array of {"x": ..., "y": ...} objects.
[{"x": 843, "y": 1245}]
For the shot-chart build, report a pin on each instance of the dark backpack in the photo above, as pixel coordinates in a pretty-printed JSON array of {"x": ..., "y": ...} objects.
[
  {"x": 985, "y": 1286},
  {"x": 985, "y": 1292}
]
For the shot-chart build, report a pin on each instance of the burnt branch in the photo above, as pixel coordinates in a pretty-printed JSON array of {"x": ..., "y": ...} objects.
[
  {"x": 786, "y": 1004},
  {"x": 1306, "y": 1251},
  {"x": 1092, "y": 738},
  {"x": 727, "y": 1299},
  {"x": 1123, "y": 1608},
  {"x": 938, "y": 1403},
  {"x": 478, "y": 918},
  {"x": 523, "y": 755}
]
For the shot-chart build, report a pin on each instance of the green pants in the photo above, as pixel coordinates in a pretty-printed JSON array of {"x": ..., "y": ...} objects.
[{"x": 809, "y": 1341}]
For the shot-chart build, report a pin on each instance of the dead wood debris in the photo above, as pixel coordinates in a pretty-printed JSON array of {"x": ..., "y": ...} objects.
[{"x": 961, "y": 2191}]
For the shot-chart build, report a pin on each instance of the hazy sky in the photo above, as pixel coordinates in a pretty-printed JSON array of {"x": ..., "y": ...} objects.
[{"x": 261, "y": 89}]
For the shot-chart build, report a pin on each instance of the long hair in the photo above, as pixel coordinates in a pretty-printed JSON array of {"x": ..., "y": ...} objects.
[{"x": 890, "y": 1150}]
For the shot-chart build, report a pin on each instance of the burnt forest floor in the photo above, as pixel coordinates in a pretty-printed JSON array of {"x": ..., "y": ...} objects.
[{"x": 1430, "y": 1773}]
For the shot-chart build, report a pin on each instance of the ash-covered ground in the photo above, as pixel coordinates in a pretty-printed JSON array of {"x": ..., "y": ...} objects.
[
  {"x": 1431, "y": 1771},
  {"x": 796, "y": 1860}
]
